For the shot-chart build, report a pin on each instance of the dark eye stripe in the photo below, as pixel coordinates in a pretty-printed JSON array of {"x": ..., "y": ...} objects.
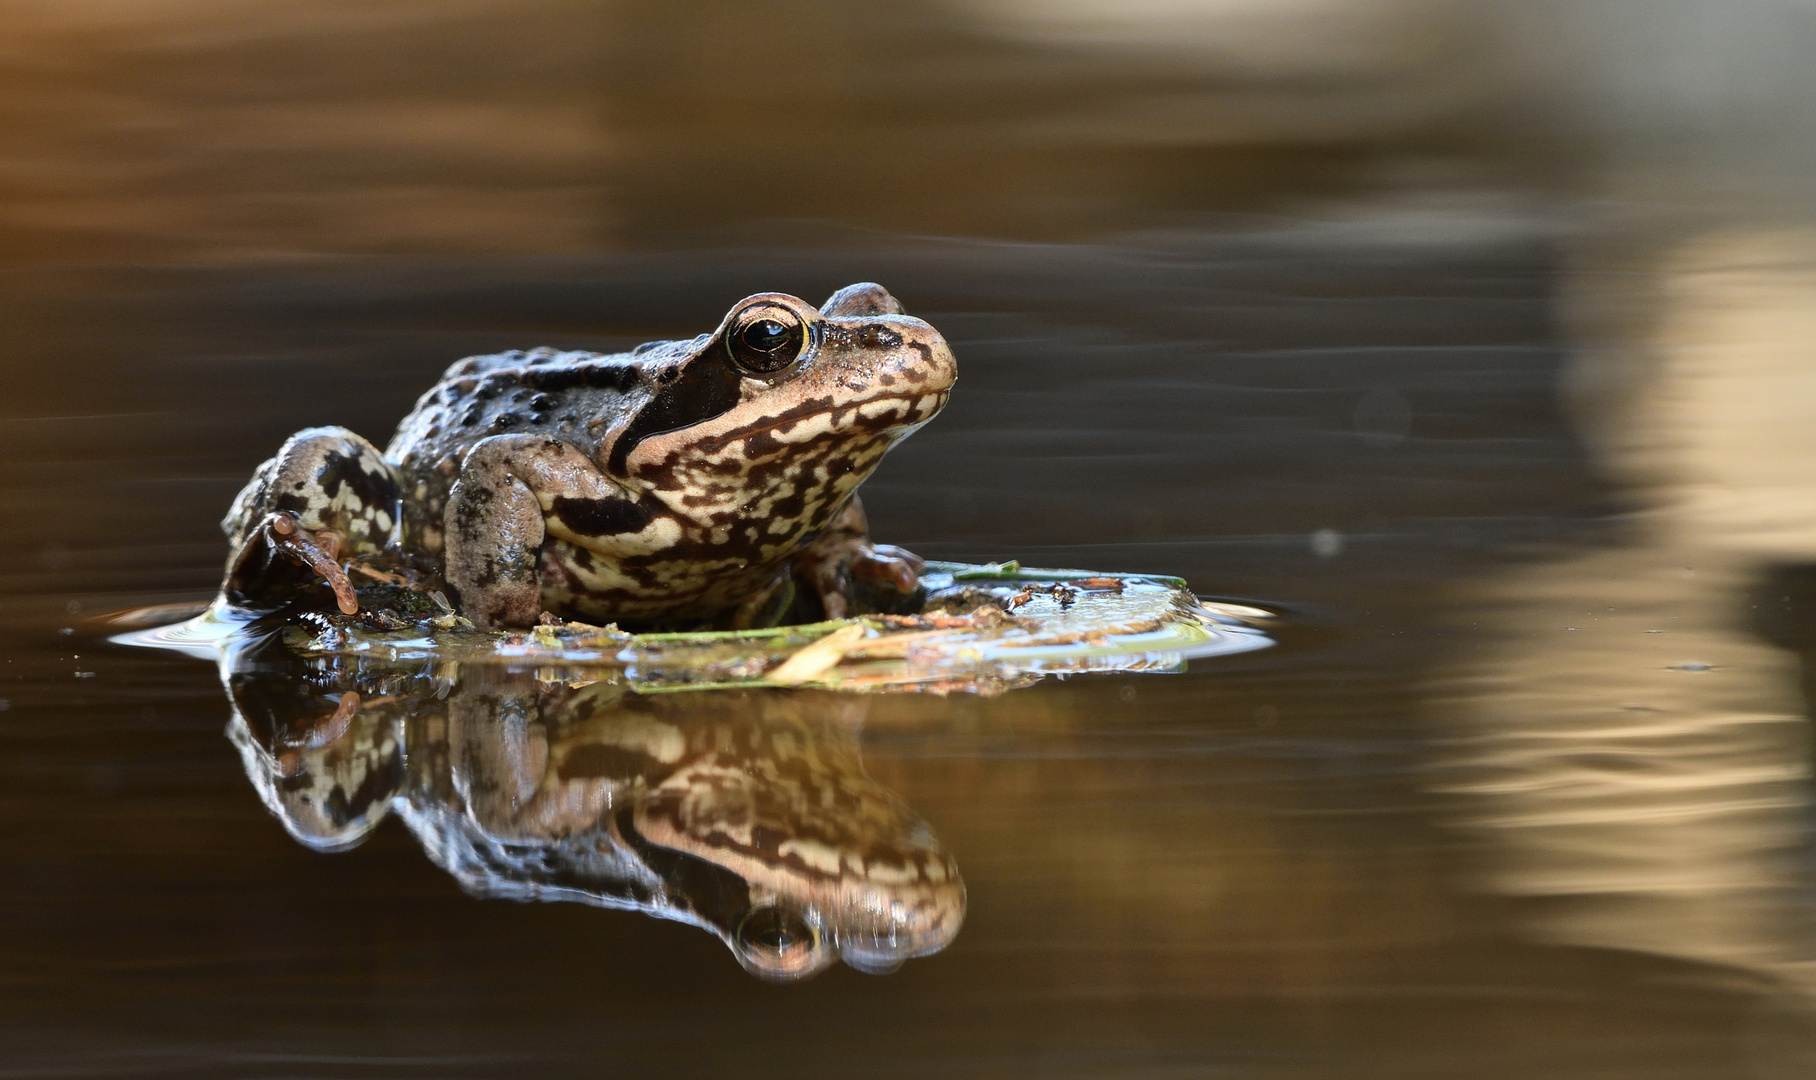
[
  {"x": 705, "y": 389},
  {"x": 711, "y": 891}
]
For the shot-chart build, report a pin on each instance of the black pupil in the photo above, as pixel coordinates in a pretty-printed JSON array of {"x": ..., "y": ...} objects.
[
  {"x": 766, "y": 335},
  {"x": 776, "y": 937},
  {"x": 775, "y": 931}
]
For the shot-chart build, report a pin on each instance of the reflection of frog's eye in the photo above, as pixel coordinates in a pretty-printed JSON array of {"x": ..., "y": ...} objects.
[
  {"x": 765, "y": 340},
  {"x": 777, "y": 943}
]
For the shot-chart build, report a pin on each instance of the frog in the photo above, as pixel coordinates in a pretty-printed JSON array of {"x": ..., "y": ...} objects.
[
  {"x": 683, "y": 484},
  {"x": 748, "y": 814}
]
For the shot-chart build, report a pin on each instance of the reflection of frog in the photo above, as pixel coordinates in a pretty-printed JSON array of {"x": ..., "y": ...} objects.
[
  {"x": 748, "y": 814},
  {"x": 684, "y": 481}
]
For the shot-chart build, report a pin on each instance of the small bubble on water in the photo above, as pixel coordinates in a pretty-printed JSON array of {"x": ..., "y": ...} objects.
[
  {"x": 1692, "y": 665},
  {"x": 1327, "y": 543},
  {"x": 1127, "y": 693},
  {"x": 74, "y": 607}
]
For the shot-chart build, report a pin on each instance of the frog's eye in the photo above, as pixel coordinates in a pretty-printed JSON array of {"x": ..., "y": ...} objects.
[
  {"x": 765, "y": 338},
  {"x": 777, "y": 943},
  {"x": 766, "y": 335}
]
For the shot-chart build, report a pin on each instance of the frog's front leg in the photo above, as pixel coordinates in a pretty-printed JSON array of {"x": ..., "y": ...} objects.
[
  {"x": 842, "y": 552},
  {"x": 494, "y": 521},
  {"x": 326, "y": 495}
]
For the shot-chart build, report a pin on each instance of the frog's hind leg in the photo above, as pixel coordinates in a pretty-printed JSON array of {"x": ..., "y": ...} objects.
[
  {"x": 327, "y": 495},
  {"x": 495, "y": 524}
]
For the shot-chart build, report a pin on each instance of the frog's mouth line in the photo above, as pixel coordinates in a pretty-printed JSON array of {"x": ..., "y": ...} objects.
[
  {"x": 851, "y": 414},
  {"x": 651, "y": 464}
]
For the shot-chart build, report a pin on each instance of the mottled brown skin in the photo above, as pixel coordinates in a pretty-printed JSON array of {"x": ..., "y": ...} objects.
[
  {"x": 748, "y": 814},
  {"x": 766, "y": 787},
  {"x": 681, "y": 482}
]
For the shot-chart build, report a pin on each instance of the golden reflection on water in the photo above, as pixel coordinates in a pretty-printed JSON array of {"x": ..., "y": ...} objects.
[{"x": 1642, "y": 746}]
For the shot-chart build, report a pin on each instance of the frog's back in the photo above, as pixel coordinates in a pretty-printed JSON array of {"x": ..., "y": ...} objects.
[{"x": 573, "y": 396}]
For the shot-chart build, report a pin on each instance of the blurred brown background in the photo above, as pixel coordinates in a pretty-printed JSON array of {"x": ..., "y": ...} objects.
[{"x": 224, "y": 130}]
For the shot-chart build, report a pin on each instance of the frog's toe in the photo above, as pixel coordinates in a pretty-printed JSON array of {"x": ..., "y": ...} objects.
[
  {"x": 317, "y": 734},
  {"x": 280, "y": 539},
  {"x": 846, "y": 577},
  {"x": 317, "y": 551},
  {"x": 827, "y": 581},
  {"x": 889, "y": 565}
]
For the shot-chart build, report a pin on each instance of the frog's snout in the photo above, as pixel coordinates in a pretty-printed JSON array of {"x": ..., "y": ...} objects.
[{"x": 920, "y": 357}]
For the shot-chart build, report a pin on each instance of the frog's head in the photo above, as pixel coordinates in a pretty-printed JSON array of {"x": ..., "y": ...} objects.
[
  {"x": 764, "y": 827},
  {"x": 784, "y": 409},
  {"x": 818, "y": 865}
]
